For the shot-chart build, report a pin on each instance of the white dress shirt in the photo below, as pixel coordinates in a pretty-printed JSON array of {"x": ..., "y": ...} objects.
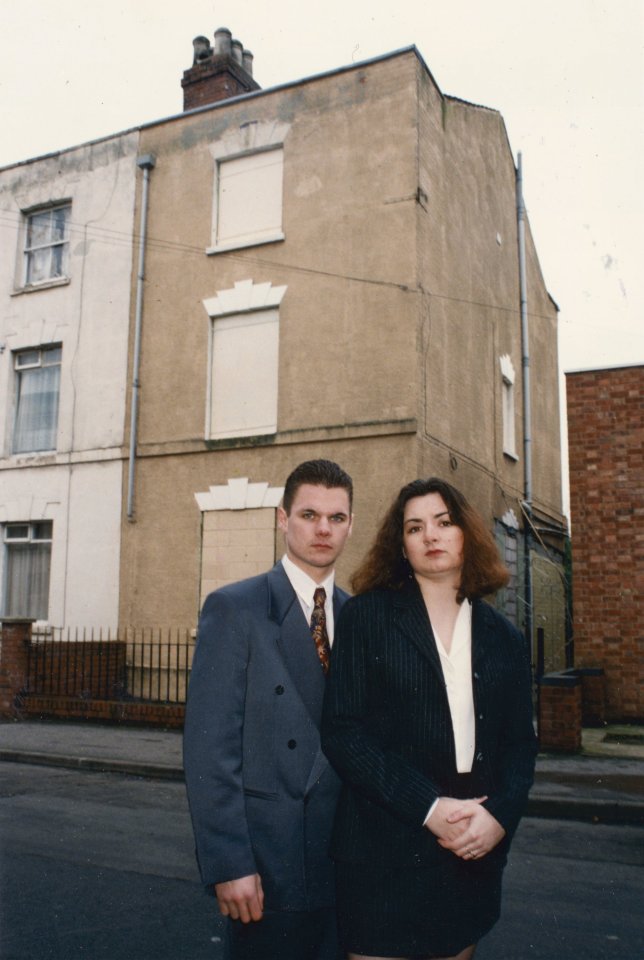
[{"x": 305, "y": 587}]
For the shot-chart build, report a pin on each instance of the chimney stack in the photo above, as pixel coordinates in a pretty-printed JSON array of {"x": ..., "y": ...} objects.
[{"x": 217, "y": 73}]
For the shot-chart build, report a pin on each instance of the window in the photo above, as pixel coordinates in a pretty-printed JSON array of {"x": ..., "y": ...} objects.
[
  {"x": 37, "y": 377},
  {"x": 47, "y": 245},
  {"x": 244, "y": 348},
  {"x": 510, "y": 549},
  {"x": 27, "y": 562},
  {"x": 244, "y": 375},
  {"x": 508, "y": 411},
  {"x": 248, "y": 206}
]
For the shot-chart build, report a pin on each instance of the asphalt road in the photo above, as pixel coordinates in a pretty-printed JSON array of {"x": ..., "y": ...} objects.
[{"x": 97, "y": 866}]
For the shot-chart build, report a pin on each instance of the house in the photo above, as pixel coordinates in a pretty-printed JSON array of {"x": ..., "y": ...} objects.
[
  {"x": 65, "y": 275},
  {"x": 605, "y": 442},
  {"x": 331, "y": 269}
]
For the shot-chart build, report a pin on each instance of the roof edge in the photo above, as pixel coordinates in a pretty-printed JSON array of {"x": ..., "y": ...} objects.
[
  {"x": 149, "y": 124},
  {"x": 604, "y": 367}
]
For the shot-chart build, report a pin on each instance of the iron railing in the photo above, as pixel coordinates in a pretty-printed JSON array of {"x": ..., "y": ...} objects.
[{"x": 147, "y": 665}]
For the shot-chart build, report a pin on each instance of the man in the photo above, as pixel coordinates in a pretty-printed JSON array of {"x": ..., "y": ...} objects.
[{"x": 262, "y": 795}]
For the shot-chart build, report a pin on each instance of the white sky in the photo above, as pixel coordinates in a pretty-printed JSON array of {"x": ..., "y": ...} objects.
[{"x": 567, "y": 76}]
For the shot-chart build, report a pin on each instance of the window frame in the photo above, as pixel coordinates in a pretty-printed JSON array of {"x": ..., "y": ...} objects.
[
  {"x": 245, "y": 300},
  {"x": 269, "y": 319},
  {"x": 508, "y": 408},
  {"x": 30, "y": 249},
  {"x": 252, "y": 238},
  {"x": 35, "y": 536},
  {"x": 19, "y": 369}
]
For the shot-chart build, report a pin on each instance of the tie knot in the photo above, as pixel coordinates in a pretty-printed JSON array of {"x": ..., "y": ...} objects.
[{"x": 319, "y": 597}]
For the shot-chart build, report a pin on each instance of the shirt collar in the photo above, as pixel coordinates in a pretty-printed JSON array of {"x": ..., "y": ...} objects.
[
  {"x": 304, "y": 585},
  {"x": 461, "y": 637}
]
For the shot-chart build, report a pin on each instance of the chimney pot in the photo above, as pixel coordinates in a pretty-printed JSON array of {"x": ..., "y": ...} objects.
[
  {"x": 247, "y": 62},
  {"x": 237, "y": 48},
  {"x": 202, "y": 49},
  {"x": 223, "y": 40}
]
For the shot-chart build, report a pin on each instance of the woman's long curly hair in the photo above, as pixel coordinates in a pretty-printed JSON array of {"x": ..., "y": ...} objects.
[{"x": 385, "y": 566}]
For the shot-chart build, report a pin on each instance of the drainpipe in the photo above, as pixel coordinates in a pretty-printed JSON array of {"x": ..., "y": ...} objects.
[
  {"x": 146, "y": 163},
  {"x": 527, "y": 415}
]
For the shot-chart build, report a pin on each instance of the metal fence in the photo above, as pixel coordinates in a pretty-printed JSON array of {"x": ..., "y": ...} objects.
[{"x": 147, "y": 665}]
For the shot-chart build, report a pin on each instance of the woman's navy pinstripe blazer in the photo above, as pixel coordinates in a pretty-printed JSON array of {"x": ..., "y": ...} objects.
[{"x": 387, "y": 727}]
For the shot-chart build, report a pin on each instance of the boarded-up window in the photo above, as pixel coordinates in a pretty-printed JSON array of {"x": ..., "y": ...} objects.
[
  {"x": 249, "y": 199},
  {"x": 244, "y": 374}
]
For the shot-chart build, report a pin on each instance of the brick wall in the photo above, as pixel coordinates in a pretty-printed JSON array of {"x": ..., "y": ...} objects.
[
  {"x": 82, "y": 669},
  {"x": 560, "y": 713},
  {"x": 15, "y": 638},
  {"x": 216, "y": 79},
  {"x": 606, "y": 450},
  {"x": 71, "y": 708}
]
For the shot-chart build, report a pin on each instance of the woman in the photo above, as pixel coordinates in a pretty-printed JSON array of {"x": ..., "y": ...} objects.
[{"x": 428, "y": 720}]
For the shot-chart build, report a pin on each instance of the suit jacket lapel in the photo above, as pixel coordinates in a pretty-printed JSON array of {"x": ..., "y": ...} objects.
[{"x": 295, "y": 642}]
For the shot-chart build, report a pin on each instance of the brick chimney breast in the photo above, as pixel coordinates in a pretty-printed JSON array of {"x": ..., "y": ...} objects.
[{"x": 217, "y": 73}]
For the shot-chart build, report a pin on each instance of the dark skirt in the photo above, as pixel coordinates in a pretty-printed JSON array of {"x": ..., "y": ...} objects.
[{"x": 433, "y": 907}]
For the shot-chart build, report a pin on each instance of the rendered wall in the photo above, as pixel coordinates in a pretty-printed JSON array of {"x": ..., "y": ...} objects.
[
  {"x": 79, "y": 485},
  {"x": 399, "y": 301}
]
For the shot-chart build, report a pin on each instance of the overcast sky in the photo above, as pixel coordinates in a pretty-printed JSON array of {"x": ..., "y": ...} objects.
[{"x": 567, "y": 76}]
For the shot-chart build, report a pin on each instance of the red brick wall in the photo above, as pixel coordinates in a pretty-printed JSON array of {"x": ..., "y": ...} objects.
[
  {"x": 89, "y": 669},
  {"x": 606, "y": 449},
  {"x": 69, "y": 708},
  {"x": 560, "y": 713},
  {"x": 217, "y": 79},
  {"x": 15, "y": 636}
]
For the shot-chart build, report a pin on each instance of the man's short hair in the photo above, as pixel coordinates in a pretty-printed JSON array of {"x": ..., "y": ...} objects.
[{"x": 322, "y": 473}]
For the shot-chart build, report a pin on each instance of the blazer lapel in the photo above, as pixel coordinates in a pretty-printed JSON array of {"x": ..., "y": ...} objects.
[
  {"x": 413, "y": 620},
  {"x": 481, "y": 636}
]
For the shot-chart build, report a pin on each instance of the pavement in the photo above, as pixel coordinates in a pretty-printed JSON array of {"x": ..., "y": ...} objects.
[{"x": 604, "y": 782}]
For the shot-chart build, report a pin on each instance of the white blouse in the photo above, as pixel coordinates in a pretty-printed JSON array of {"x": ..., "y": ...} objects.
[{"x": 457, "y": 673}]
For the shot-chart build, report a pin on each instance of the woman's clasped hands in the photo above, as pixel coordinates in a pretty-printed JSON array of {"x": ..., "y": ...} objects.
[{"x": 465, "y": 827}]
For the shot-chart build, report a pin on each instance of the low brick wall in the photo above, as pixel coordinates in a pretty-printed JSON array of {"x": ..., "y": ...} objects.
[
  {"x": 14, "y": 659},
  {"x": 593, "y": 695},
  {"x": 137, "y": 680},
  {"x": 87, "y": 669},
  {"x": 73, "y": 708},
  {"x": 560, "y": 712}
]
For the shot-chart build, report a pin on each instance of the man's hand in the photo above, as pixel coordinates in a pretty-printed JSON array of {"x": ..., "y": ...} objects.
[
  {"x": 241, "y": 899},
  {"x": 482, "y": 832}
]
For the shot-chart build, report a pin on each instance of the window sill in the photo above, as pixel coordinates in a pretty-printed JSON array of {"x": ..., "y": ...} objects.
[
  {"x": 28, "y": 458},
  {"x": 242, "y": 244},
  {"x": 43, "y": 285},
  {"x": 240, "y": 440},
  {"x": 511, "y": 456}
]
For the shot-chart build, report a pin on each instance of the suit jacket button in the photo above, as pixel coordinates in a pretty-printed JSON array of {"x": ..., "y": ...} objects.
[
  {"x": 292, "y": 744},
  {"x": 479, "y": 757},
  {"x": 279, "y": 690}
]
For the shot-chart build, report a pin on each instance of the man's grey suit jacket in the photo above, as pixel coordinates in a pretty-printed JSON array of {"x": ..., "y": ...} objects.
[{"x": 262, "y": 795}]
